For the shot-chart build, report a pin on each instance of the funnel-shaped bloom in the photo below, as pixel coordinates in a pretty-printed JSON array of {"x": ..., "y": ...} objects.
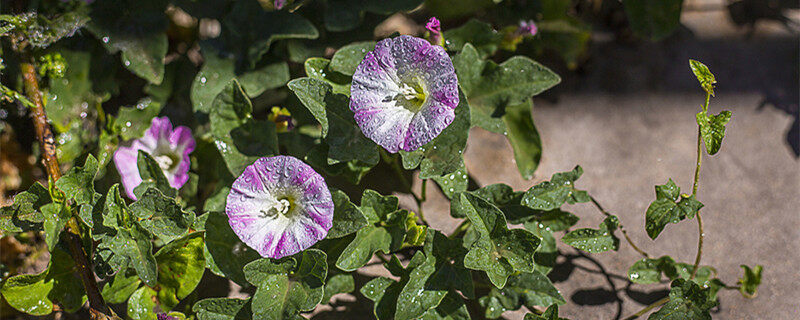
[
  {"x": 279, "y": 206},
  {"x": 170, "y": 148},
  {"x": 404, "y": 93}
]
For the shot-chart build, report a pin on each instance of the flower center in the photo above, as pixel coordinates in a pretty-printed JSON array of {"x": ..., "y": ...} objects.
[
  {"x": 165, "y": 161},
  {"x": 411, "y": 95},
  {"x": 281, "y": 207}
]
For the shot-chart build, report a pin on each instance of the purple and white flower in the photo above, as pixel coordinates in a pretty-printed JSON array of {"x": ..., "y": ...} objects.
[
  {"x": 434, "y": 28},
  {"x": 404, "y": 93},
  {"x": 279, "y": 206},
  {"x": 170, "y": 148}
]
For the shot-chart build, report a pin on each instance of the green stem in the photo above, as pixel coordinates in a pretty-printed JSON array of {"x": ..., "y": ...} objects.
[
  {"x": 460, "y": 229},
  {"x": 695, "y": 185},
  {"x": 648, "y": 308},
  {"x": 399, "y": 172},
  {"x": 621, "y": 228}
]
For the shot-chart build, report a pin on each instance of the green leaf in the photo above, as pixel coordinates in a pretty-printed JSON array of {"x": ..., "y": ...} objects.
[
  {"x": 750, "y": 281},
  {"x": 225, "y": 254},
  {"x": 687, "y": 300},
  {"x": 238, "y": 137},
  {"x": 143, "y": 48},
  {"x": 669, "y": 207},
  {"x": 387, "y": 236},
  {"x": 452, "y": 307},
  {"x": 491, "y": 88},
  {"x": 553, "y": 220},
  {"x": 121, "y": 287},
  {"x": 346, "y": 141},
  {"x": 504, "y": 198},
  {"x": 72, "y": 94},
  {"x": 287, "y": 286},
  {"x": 453, "y": 183},
  {"x": 550, "y": 314},
  {"x": 384, "y": 291},
  {"x": 347, "y": 58},
  {"x": 595, "y": 240},
  {"x": 222, "y": 309},
  {"x": 142, "y": 304},
  {"x": 377, "y": 207},
  {"x": 56, "y": 216},
  {"x": 498, "y": 251},
  {"x": 161, "y": 216},
  {"x": 319, "y": 68},
  {"x": 550, "y": 195},
  {"x": 180, "y": 268},
  {"x": 547, "y": 252},
  {"x": 528, "y": 289},
  {"x": 24, "y": 214},
  {"x": 712, "y": 129},
  {"x": 649, "y": 270},
  {"x": 132, "y": 122},
  {"x": 478, "y": 34},
  {"x": 524, "y": 138},
  {"x": 35, "y": 294},
  {"x": 442, "y": 271},
  {"x": 654, "y": 19},
  {"x": 152, "y": 176},
  {"x": 339, "y": 283},
  {"x": 704, "y": 76},
  {"x": 78, "y": 183},
  {"x": 218, "y": 71},
  {"x": 347, "y": 217},
  {"x": 133, "y": 244},
  {"x": 344, "y": 15}
]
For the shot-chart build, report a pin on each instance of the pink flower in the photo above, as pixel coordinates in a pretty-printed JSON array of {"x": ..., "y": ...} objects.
[{"x": 435, "y": 31}]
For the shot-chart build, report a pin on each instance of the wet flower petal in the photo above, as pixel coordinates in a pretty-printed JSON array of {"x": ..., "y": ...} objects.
[
  {"x": 279, "y": 206},
  {"x": 404, "y": 93},
  {"x": 170, "y": 148}
]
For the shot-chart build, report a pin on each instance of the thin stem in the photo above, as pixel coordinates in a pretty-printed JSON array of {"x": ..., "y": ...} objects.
[
  {"x": 399, "y": 172},
  {"x": 695, "y": 185},
  {"x": 97, "y": 306},
  {"x": 621, "y": 228},
  {"x": 460, "y": 229},
  {"x": 648, "y": 308},
  {"x": 699, "y": 245}
]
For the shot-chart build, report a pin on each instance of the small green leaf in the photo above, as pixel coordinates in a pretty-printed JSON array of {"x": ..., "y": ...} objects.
[
  {"x": 142, "y": 304},
  {"x": 750, "y": 281},
  {"x": 152, "y": 176},
  {"x": 347, "y": 58},
  {"x": 225, "y": 254},
  {"x": 654, "y": 19},
  {"x": 180, "y": 268},
  {"x": 704, "y": 76},
  {"x": 121, "y": 286},
  {"x": 336, "y": 284},
  {"x": 133, "y": 245},
  {"x": 478, "y": 34},
  {"x": 78, "y": 183},
  {"x": 712, "y": 129},
  {"x": 386, "y": 236},
  {"x": 56, "y": 216},
  {"x": 347, "y": 217},
  {"x": 132, "y": 122},
  {"x": 498, "y": 251},
  {"x": 649, "y": 270},
  {"x": 524, "y": 138},
  {"x": 319, "y": 68},
  {"x": 528, "y": 289},
  {"x": 669, "y": 207},
  {"x": 453, "y": 183},
  {"x": 287, "y": 286},
  {"x": 377, "y": 207},
  {"x": 550, "y": 314},
  {"x": 35, "y": 294},
  {"x": 506, "y": 199},
  {"x": 687, "y": 300},
  {"x": 238, "y": 137},
  {"x": 595, "y": 240},
  {"x": 24, "y": 214},
  {"x": 385, "y": 292},
  {"x": 161, "y": 216},
  {"x": 550, "y": 195},
  {"x": 222, "y": 309}
]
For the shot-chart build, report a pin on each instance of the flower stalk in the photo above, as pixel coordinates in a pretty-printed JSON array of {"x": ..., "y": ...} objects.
[{"x": 701, "y": 233}]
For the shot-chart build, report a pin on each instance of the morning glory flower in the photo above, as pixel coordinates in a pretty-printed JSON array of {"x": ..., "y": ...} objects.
[
  {"x": 404, "y": 93},
  {"x": 170, "y": 148},
  {"x": 527, "y": 28},
  {"x": 279, "y": 206},
  {"x": 434, "y": 28}
]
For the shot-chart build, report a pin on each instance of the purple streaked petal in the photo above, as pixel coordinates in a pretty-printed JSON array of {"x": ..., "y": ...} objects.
[
  {"x": 279, "y": 206},
  {"x": 125, "y": 161}
]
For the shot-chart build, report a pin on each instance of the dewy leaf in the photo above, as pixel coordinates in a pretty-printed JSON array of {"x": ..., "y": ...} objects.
[
  {"x": 222, "y": 309},
  {"x": 528, "y": 289},
  {"x": 339, "y": 283},
  {"x": 385, "y": 236},
  {"x": 180, "y": 268},
  {"x": 134, "y": 245},
  {"x": 225, "y": 254},
  {"x": 133, "y": 121},
  {"x": 750, "y": 281},
  {"x": 377, "y": 207},
  {"x": 687, "y": 300},
  {"x": 547, "y": 252},
  {"x": 347, "y": 217},
  {"x": 319, "y": 68},
  {"x": 142, "y": 304},
  {"x": 550, "y": 314},
  {"x": 504, "y": 198},
  {"x": 649, "y": 270},
  {"x": 78, "y": 183},
  {"x": 143, "y": 47},
  {"x": 34, "y": 294},
  {"x": 704, "y": 76},
  {"x": 669, "y": 207},
  {"x": 595, "y": 240},
  {"x": 56, "y": 216},
  {"x": 478, "y": 34},
  {"x": 121, "y": 286},
  {"x": 654, "y": 19},
  {"x": 218, "y": 71},
  {"x": 152, "y": 176},
  {"x": 452, "y": 307},
  {"x": 66, "y": 96},
  {"x": 345, "y": 140},
  {"x": 23, "y": 214},
  {"x": 712, "y": 129},
  {"x": 524, "y": 138},
  {"x": 498, "y": 251},
  {"x": 287, "y": 286},
  {"x": 552, "y": 194},
  {"x": 238, "y": 137},
  {"x": 347, "y": 58},
  {"x": 161, "y": 216},
  {"x": 384, "y": 292},
  {"x": 453, "y": 183},
  {"x": 491, "y": 88}
]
